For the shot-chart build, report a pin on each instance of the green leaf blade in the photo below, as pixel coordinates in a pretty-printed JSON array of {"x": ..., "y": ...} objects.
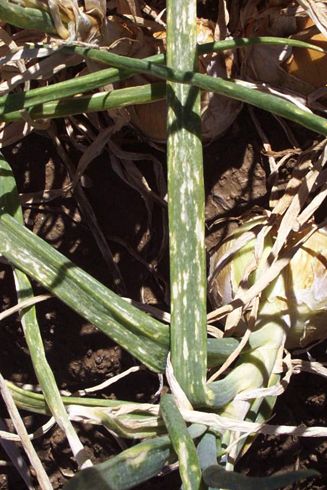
[
  {"x": 216, "y": 477},
  {"x": 189, "y": 466}
]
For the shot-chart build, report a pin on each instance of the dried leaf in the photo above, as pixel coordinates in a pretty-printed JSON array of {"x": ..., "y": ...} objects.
[
  {"x": 293, "y": 70},
  {"x": 13, "y": 132}
]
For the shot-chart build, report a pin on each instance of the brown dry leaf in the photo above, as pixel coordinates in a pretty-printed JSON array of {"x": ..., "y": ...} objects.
[
  {"x": 28, "y": 447},
  {"x": 218, "y": 112},
  {"x": 72, "y": 21},
  {"x": 317, "y": 12},
  {"x": 138, "y": 41},
  {"x": 92, "y": 151},
  {"x": 96, "y": 9},
  {"x": 88, "y": 214},
  {"x": 294, "y": 70},
  {"x": 43, "y": 70},
  {"x": 129, "y": 173},
  {"x": 13, "y": 132},
  {"x": 289, "y": 206},
  {"x": 129, "y": 7}
]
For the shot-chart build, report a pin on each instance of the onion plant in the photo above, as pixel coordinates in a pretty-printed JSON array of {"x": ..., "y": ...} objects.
[{"x": 253, "y": 275}]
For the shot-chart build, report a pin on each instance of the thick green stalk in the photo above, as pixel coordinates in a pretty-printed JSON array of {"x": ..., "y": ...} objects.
[
  {"x": 26, "y": 18},
  {"x": 188, "y": 330},
  {"x": 68, "y": 88},
  {"x": 254, "y": 367},
  {"x": 43, "y": 371},
  {"x": 181, "y": 73},
  {"x": 254, "y": 370},
  {"x": 216, "y": 477},
  {"x": 151, "y": 92},
  {"x": 35, "y": 402},
  {"x": 100, "y": 101},
  {"x": 189, "y": 466}
]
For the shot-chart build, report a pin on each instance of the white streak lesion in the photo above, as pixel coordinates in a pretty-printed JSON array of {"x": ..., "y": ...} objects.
[
  {"x": 174, "y": 291},
  {"x": 185, "y": 279},
  {"x": 185, "y": 350},
  {"x": 199, "y": 232}
]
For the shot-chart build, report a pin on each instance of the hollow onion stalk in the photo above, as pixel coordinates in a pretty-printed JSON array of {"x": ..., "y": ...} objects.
[{"x": 188, "y": 332}]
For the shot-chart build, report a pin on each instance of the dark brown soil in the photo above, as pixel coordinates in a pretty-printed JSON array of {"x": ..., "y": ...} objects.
[
  {"x": 304, "y": 403},
  {"x": 80, "y": 356}
]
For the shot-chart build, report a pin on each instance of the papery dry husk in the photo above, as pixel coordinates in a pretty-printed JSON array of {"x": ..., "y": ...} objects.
[
  {"x": 19, "y": 38},
  {"x": 13, "y": 132},
  {"x": 295, "y": 70},
  {"x": 82, "y": 24},
  {"x": 298, "y": 297},
  {"x": 307, "y": 278},
  {"x": 305, "y": 64},
  {"x": 71, "y": 20}
]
